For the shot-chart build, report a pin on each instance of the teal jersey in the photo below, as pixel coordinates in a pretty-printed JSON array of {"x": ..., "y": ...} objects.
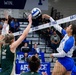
[
  {"x": 7, "y": 58},
  {"x": 30, "y": 73}
]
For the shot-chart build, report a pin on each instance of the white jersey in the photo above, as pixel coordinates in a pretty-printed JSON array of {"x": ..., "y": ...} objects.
[
  {"x": 67, "y": 44},
  {"x": 5, "y": 29}
]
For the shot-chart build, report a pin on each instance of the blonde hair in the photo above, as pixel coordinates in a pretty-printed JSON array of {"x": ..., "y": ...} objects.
[{"x": 8, "y": 38}]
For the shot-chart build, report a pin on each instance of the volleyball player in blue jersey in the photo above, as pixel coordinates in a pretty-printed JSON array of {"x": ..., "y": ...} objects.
[{"x": 65, "y": 63}]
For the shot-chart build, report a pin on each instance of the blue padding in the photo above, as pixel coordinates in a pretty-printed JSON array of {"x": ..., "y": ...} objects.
[
  {"x": 20, "y": 55},
  {"x": 20, "y": 66}
]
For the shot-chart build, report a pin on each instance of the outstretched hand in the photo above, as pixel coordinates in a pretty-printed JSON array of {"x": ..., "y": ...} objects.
[
  {"x": 45, "y": 16},
  {"x": 30, "y": 18}
]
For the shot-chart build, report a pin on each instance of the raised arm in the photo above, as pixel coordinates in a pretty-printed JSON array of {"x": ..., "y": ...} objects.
[
  {"x": 5, "y": 15},
  {"x": 57, "y": 27},
  {"x": 24, "y": 34},
  {"x": 68, "y": 45}
]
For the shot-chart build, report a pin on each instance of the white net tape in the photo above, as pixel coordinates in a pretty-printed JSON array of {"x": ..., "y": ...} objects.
[{"x": 43, "y": 26}]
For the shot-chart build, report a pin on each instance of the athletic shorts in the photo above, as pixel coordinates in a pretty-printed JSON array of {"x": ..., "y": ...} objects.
[{"x": 67, "y": 62}]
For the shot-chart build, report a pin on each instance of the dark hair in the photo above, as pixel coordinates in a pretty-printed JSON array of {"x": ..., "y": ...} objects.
[
  {"x": 8, "y": 38},
  {"x": 74, "y": 29},
  {"x": 34, "y": 63},
  {"x": 5, "y": 19}
]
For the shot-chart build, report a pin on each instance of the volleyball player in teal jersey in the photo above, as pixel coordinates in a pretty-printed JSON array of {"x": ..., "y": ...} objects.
[{"x": 9, "y": 48}]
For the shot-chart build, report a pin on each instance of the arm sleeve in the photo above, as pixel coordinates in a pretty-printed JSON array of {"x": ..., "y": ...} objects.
[
  {"x": 7, "y": 29},
  {"x": 68, "y": 44},
  {"x": 57, "y": 27},
  {"x": 60, "y": 54}
]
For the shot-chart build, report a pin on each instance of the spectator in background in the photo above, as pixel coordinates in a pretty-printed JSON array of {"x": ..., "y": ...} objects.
[
  {"x": 37, "y": 52},
  {"x": 26, "y": 50},
  {"x": 34, "y": 51},
  {"x": 55, "y": 39},
  {"x": 17, "y": 25},
  {"x": 52, "y": 30},
  {"x": 2, "y": 21},
  {"x": 48, "y": 36},
  {"x": 9, "y": 19},
  {"x": 12, "y": 25},
  {"x": 25, "y": 45},
  {"x": 36, "y": 48},
  {"x": 43, "y": 33}
]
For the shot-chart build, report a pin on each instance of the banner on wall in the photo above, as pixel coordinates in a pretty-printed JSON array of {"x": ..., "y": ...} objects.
[
  {"x": 12, "y": 4},
  {"x": 20, "y": 67},
  {"x": 20, "y": 55},
  {"x": 24, "y": 4}
]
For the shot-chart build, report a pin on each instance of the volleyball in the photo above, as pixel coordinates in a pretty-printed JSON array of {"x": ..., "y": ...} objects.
[{"x": 36, "y": 12}]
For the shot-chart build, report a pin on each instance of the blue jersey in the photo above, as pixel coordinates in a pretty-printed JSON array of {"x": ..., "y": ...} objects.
[
  {"x": 67, "y": 44},
  {"x": 65, "y": 49}
]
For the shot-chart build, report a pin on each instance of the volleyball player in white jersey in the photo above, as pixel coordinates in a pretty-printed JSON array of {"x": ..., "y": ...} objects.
[
  {"x": 5, "y": 29},
  {"x": 65, "y": 63}
]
